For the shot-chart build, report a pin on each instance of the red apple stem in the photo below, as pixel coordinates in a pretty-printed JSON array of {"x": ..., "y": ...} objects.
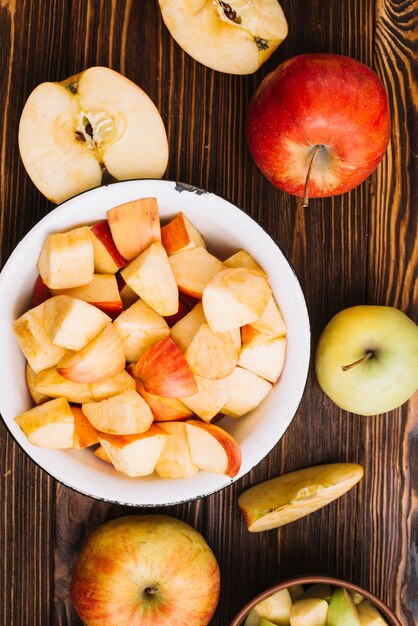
[
  {"x": 358, "y": 362},
  {"x": 305, "y": 201}
]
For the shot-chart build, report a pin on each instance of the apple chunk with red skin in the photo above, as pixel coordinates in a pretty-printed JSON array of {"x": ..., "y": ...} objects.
[
  {"x": 175, "y": 460},
  {"x": 145, "y": 570},
  {"x": 134, "y": 226},
  {"x": 85, "y": 434},
  {"x": 107, "y": 259},
  {"x": 40, "y": 292},
  {"x": 213, "y": 449},
  {"x": 179, "y": 235},
  {"x": 163, "y": 409},
  {"x": 326, "y": 110}
]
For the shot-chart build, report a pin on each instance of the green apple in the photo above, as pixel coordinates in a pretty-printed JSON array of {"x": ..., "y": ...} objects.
[
  {"x": 367, "y": 359},
  {"x": 342, "y": 610},
  {"x": 266, "y": 622},
  {"x": 369, "y": 615},
  {"x": 357, "y": 597},
  {"x": 276, "y": 608},
  {"x": 309, "y": 612},
  {"x": 252, "y": 619}
]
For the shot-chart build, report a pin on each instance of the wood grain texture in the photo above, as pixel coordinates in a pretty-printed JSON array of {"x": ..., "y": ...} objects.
[{"x": 360, "y": 247}]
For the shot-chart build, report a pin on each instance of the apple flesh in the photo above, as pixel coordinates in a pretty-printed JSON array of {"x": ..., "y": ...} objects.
[
  {"x": 276, "y": 607},
  {"x": 85, "y": 434},
  {"x": 67, "y": 259},
  {"x": 140, "y": 327},
  {"x": 212, "y": 355},
  {"x": 175, "y": 460},
  {"x": 164, "y": 409},
  {"x": 102, "y": 292},
  {"x": 213, "y": 449},
  {"x": 49, "y": 425},
  {"x": 107, "y": 259},
  {"x": 193, "y": 268},
  {"x": 185, "y": 329},
  {"x": 126, "y": 413},
  {"x": 367, "y": 359},
  {"x": 180, "y": 234},
  {"x": 326, "y": 105},
  {"x": 134, "y": 226}
]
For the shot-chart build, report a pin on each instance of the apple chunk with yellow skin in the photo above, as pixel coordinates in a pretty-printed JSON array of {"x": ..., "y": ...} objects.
[
  {"x": 180, "y": 234},
  {"x": 185, "y": 329},
  {"x": 213, "y": 449},
  {"x": 210, "y": 399},
  {"x": 134, "y": 226},
  {"x": 107, "y": 259},
  {"x": 124, "y": 414},
  {"x": 49, "y": 425},
  {"x": 85, "y": 434},
  {"x": 212, "y": 355},
  {"x": 151, "y": 277},
  {"x": 369, "y": 615},
  {"x": 246, "y": 391},
  {"x": 102, "y": 292},
  {"x": 72, "y": 132},
  {"x": 235, "y": 297},
  {"x": 235, "y": 37},
  {"x": 309, "y": 612},
  {"x": 175, "y": 460},
  {"x": 67, "y": 259},
  {"x": 276, "y": 608},
  {"x": 193, "y": 269},
  {"x": 140, "y": 327},
  {"x": 286, "y": 498},
  {"x": 164, "y": 409},
  {"x": 266, "y": 360}
]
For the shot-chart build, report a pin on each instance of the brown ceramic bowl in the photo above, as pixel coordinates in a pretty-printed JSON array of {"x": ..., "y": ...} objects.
[{"x": 386, "y": 612}]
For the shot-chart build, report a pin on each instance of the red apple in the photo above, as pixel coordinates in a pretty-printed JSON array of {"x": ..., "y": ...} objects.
[
  {"x": 146, "y": 570},
  {"x": 327, "y": 111}
]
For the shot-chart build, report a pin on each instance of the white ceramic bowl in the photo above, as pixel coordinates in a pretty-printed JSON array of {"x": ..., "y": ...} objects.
[{"x": 226, "y": 229}]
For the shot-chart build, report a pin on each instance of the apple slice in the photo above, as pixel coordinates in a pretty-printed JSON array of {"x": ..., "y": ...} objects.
[
  {"x": 165, "y": 372},
  {"x": 72, "y": 323},
  {"x": 235, "y": 297},
  {"x": 127, "y": 295},
  {"x": 179, "y": 235},
  {"x": 102, "y": 455},
  {"x": 276, "y": 608},
  {"x": 266, "y": 360},
  {"x": 193, "y": 269},
  {"x": 71, "y": 132},
  {"x": 107, "y": 259},
  {"x": 135, "y": 455},
  {"x": 185, "y": 329},
  {"x": 164, "y": 409},
  {"x": 210, "y": 399},
  {"x": 243, "y": 259},
  {"x": 124, "y": 414},
  {"x": 150, "y": 276},
  {"x": 212, "y": 355},
  {"x": 40, "y": 292},
  {"x": 140, "y": 327},
  {"x": 213, "y": 449},
  {"x": 102, "y": 358},
  {"x": 37, "y": 396},
  {"x": 51, "y": 383},
  {"x": 112, "y": 386},
  {"x": 102, "y": 292},
  {"x": 67, "y": 259},
  {"x": 85, "y": 434},
  {"x": 49, "y": 425},
  {"x": 175, "y": 460},
  {"x": 246, "y": 391},
  {"x": 34, "y": 341},
  {"x": 134, "y": 226},
  {"x": 269, "y": 326}
]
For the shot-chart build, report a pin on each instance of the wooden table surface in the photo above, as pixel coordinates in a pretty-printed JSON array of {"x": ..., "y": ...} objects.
[{"x": 356, "y": 248}]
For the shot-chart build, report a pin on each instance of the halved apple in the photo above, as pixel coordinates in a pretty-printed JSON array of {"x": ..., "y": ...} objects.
[
  {"x": 67, "y": 259},
  {"x": 102, "y": 358},
  {"x": 243, "y": 259},
  {"x": 85, "y": 434},
  {"x": 193, "y": 269},
  {"x": 112, "y": 386},
  {"x": 37, "y": 396},
  {"x": 246, "y": 391},
  {"x": 135, "y": 455},
  {"x": 151, "y": 277},
  {"x": 212, "y": 355},
  {"x": 139, "y": 328},
  {"x": 185, "y": 329},
  {"x": 124, "y": 414},
  {"x": 234, "y": 297},
  {"x": 72, "y": 132},
  {"x": 213, "y": 449},
  {"x": 269, "y": 326},
  {"x": 164, "y": 409},
  {"x": 235, "y": 37},
  {"x": 175, "y": 460},
  {"x": 134, "y": 226},
  {"x": 210, "y": 399},
  {"x": 180, "y": 234},
  {"x": 102, "y": 292},
  {"x": 49, "y": 425},
  {"x": 266, "y": 359},
  {"x": 51, "y": 383},
  {"x": 107, "y": 259}
]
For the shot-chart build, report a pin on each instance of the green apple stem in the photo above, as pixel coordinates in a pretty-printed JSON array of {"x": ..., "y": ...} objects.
[
  {"x": 358, "y": 362},
  {"x": 305, "y": 201}
]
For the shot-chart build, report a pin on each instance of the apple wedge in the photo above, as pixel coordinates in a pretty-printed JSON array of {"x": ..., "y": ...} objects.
[
  {"x": 135, "y": 455},
  {"x": 164, "y": 371},
  {"x": 213, "y": 449},
  {"x": 107, "y": 259},
  {"x": 101, "y": 292},
  {"x": 175, "y": 460},
  {"x": 124, "y": 414},
  {"x": 185, "y": 329},
  {"x": 102, "y": 455},
  {"x": 40, "y": 292},
  {"x": 134, "y": 226},
  {"x": 34, "y": 340},
  {"x": 243, "y": 259},
  {"x": 246, "y": 391},
  {"x": 210, "y": 399},
  {"x": 235, "y": 37},
  {"x": 286, "y": 498},
  {"x": 269, "y": 326},
  {"x": 49, "y": 425},
  {"x": 67, "y": 259},
  {"x": 193, "y": 269},
  {"x": 266, "y": 360},
  {"x": 235, "y": 297},
  {"x": 112, "y": 386},
  {"x": 85, "y": 435},
  {"x": 37, "y": 396},
  {"x": 102, "y": 358},
  {"x": 140, "y": 327},
  {"x": 212, "y": 355},
  {"x": 179, "y": 235},
  {"x": 70, "y": 133},
  {"x": 52, "y": 384},
  {"x": 276, "y": 608},
  {"x": 164, "y": 409},
  {"x": 151, "y": 277},
  {"x": 72, "y": 323}
]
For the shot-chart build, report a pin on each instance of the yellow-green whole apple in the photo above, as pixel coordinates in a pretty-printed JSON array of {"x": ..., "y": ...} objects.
[
  {"x": 145, "y": 570},
  {"x": 367, "y": 359}
]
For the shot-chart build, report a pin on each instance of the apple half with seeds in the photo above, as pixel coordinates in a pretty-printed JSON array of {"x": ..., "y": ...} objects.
[{"x": 73, "y": 132}]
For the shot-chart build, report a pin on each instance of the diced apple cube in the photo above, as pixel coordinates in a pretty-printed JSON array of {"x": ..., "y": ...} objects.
[
  {"x": 246, "y": 391},
  {"x": 164, "y": 409},
  {"x": 67, "y": 259},
  {"x": 102, "y": 292},
  {"x": 107, "y": 259},
  {"x": 269, "y": 326},
  {"x": 135, "y": 455},
  {"x": 235, "y": 297},
  {"x": 179, "y": 235},
  {"x": 266, "y": 360},
  {"x": 49, "y": 425},
  {"x": 212, "y": 355},
  {"x": 37, "y": 396},
  {"x": 185, "y": 329},
  {"x": 210, "y": 399},
  {"x": 193, "y": 269},
  {"x": 213, "y": 449},
  {"x": 175, "y": 460},
  {"x": 151, "y": 277},
  {"x": 134, "y": 226},
  {"x": 51, "y": 383},
  {"x": 243, "y": 259},
  {"x": 34, "y": 340},
  {"x": 112, "y": 386},
  {"x": 124, "y": 414},
  {"x": 140, "y": 327},
  {"x": 85, "y": 434}
]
